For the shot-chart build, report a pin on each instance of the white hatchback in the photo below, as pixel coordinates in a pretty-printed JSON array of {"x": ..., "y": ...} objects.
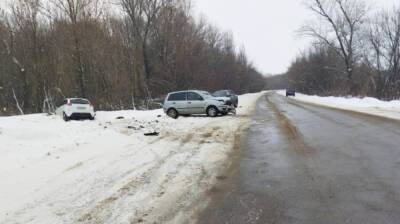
[{"x": 76, "y": 108}]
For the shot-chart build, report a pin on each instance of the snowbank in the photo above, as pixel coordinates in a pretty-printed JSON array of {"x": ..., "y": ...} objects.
[
  {"x": 107, "y": 171},
  {"x": 365, "y": 105}
]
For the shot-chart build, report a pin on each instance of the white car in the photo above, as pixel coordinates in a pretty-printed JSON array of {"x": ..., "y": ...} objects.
[
  {"x": 196, "y": 102},
  {"x": 76, "y": 108}
]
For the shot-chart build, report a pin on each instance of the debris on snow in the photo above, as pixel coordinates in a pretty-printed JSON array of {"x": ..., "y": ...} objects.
[{"x": 152, "y": 134}]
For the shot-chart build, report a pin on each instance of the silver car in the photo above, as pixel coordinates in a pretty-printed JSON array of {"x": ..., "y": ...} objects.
[{"x": 196, "y": 102}]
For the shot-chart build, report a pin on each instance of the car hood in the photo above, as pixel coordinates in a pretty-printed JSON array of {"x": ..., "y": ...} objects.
[{"x": 221, "y": 98}]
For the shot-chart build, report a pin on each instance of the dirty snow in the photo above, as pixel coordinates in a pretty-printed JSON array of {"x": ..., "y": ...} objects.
[
  {"x": 107, "y": 171},
  {"x": 365, "y": 105}
]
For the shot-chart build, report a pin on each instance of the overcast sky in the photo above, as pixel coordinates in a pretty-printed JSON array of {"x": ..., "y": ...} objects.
[{"x": 266, "y": 28}]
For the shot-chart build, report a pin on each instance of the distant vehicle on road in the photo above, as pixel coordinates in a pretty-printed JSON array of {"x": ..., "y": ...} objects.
[
  {"x": 76, "y": 108},
  {"x": 290, "y": 92},
  {"x": 228, "y": 93},
  {"x": 196, "y": 102}
]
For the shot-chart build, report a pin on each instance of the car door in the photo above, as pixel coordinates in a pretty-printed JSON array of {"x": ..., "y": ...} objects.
[
  {"x": 196, "y": 103},
  {"x": 179, "y": 102}
]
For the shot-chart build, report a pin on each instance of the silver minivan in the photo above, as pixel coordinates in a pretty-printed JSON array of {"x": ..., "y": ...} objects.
[{"x": 196, "y": 102}]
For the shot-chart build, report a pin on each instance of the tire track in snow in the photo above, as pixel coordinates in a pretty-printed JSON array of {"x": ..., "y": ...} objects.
[{"x": 103, "y": 211}]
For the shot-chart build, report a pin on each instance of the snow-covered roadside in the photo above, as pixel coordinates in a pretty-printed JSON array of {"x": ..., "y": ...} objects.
[
  {"x": 106, "y": 171},
  {"x": 365, "y": 105}
]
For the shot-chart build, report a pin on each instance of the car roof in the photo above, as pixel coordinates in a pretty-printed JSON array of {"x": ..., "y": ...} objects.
[
  {"x": 77, "y": 99},
  {"x": 223, "y": 90},
  {"x": 184, "y": 91}
]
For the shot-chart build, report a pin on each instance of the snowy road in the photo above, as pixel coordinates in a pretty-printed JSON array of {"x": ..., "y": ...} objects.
[
  {"x": 107, "y": 171},
  {"x": 307, "y": 164}
]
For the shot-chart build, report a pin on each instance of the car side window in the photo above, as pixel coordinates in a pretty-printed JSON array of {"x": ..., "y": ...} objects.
[
  {"x": 177, "y": 97},
  {"x": 194, "y": 97}
]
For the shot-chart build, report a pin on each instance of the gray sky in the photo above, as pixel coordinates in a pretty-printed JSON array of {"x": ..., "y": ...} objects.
[{"x": 266, "y": 28}]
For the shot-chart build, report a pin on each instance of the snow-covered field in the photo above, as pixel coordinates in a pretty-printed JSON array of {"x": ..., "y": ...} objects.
[
  {"x": 365, "y": 105},
  {"x": 107, "y": 171}
]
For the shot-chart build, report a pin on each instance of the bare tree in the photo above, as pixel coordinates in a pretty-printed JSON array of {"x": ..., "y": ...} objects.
[
  {"x": 26, "y": 14},
  {"x": 22, "y": 28},
  {"x": 339, "y": 28},
  {"x": 384, "y": 37},
  {"x": 77, "y": 11},
  {"x": 142, "y": 15}
]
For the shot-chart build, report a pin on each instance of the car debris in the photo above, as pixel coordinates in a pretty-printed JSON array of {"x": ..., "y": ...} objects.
[{"x": 152, "y": 134}]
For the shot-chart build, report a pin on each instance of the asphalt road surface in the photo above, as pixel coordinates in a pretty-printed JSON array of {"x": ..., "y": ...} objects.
[{"x": 307, "y": 164}]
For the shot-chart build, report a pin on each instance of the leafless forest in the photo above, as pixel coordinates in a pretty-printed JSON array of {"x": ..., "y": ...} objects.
[
  {"x": 356, "y": 51},
  {"x": 122, "y": 55}
]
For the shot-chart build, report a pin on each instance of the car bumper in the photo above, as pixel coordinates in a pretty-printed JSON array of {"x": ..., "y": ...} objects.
[
  {"x": 226, "y": 108},
  {"x": 82, "y": 116}
]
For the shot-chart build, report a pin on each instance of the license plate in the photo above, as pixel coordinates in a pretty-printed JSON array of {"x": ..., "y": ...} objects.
[{"x": 81, "y": 108}]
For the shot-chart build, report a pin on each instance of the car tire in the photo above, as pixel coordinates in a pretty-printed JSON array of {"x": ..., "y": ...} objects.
[
  {"x": 212, "y": 111},
  {"x": 66, "y": 118},
  {"x": 173, "y": 113},
  {"x": 91, "y": 118}
]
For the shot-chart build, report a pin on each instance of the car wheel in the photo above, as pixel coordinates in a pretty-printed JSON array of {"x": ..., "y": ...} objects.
[
  {"x": 212, "y": 111},
  {"x": 91, "y": 118},
  {"x": 65, "y": 117},
  {"x": 173, "y": 113}
]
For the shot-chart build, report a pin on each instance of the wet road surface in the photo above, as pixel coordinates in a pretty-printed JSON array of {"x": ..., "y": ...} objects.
[{"x": 308, "y": 164}]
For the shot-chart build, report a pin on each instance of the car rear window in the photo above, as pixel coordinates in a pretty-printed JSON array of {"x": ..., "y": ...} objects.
[
  {"x": 79, "y": 101},
  {"x": 177, "y": 97}
]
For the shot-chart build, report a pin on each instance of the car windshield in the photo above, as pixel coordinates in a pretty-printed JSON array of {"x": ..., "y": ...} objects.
[
  {"x": 79, "y": 101},
  {"x": 220, "y": 93}
]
